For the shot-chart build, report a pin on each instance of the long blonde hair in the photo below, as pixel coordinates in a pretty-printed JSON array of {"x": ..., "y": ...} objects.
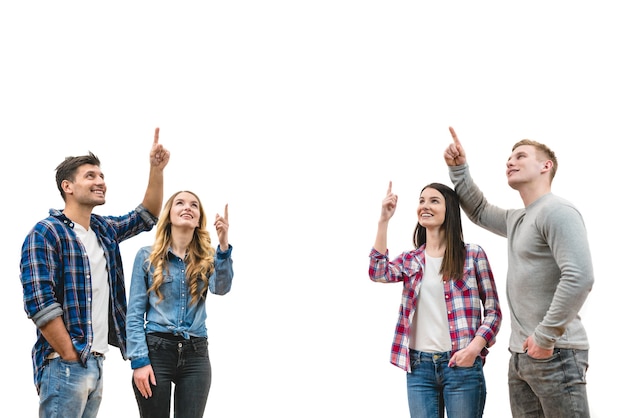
[{"x": 200, "y": 254}]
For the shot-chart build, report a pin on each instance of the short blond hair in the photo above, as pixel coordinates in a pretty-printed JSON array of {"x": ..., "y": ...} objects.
[{"x": 542, "y": 149}]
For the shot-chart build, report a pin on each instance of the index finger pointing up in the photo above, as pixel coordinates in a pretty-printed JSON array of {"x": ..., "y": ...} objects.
[
  {"x": 156, "y": 136},
  {"x": 226, "y": 212},
  {"x": 454, "y": 137},
  {"x": 389, "y": 188}
]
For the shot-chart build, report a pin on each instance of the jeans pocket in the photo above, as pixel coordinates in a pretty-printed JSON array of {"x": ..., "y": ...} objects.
[
  {"x": 553, "y": 357},
  {"x": 69, "y": 362},
  {"x": 200, "y": 347},
  {"x": 478, "y": 364},
  {"x": 153, "y": 342}
]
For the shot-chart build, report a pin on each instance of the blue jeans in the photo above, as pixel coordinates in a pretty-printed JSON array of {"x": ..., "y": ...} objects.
[
  {"x": 184, "y": 363},
  {"x": 70, "y": 390},
  {"x": 553, "y": 387},
  {"x": 433, "y": 386}
]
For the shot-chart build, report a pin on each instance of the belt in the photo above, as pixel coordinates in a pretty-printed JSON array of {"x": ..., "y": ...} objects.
[
  {"x": 415, "y": 354},
  {"x": 168, "y": 336},
  {"x": 54, "y": 354}
]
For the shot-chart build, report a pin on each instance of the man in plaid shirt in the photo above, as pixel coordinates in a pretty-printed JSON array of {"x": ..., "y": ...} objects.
[{"x": 73, "y": 282}]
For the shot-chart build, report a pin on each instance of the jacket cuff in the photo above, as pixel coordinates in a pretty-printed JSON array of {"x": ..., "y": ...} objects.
[{"x": 139, "y": 362}]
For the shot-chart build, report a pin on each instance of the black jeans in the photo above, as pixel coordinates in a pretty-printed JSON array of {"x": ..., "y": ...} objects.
[{"x": 184, "y": 363}]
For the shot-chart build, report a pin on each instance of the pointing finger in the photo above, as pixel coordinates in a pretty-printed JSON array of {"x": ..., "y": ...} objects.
[
  {"x": 389, "y": 188},
  {"x": 226, "y": 212},
  {"x": 454, "y": 137},
  {"x": 156, "y": 136}
]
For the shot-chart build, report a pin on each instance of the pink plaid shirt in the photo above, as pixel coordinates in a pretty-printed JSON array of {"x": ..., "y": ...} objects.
[{"x": 472, "y": 303}]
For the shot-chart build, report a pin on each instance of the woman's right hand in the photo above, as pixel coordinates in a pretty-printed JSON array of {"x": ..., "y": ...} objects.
[
  {"x": 389, "y": 205},
  {"x": 143, "y": 377}
]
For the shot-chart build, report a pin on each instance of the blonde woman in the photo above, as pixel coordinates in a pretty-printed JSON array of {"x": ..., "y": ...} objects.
[{"x": 166, "y": 319}]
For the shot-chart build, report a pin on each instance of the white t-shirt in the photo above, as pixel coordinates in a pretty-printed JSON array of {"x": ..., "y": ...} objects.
[
  {"x": 99, "y": 288},
  {"x": 429, "y": 328}
]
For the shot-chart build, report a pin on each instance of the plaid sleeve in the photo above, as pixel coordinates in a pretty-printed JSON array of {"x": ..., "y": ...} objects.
[
  {"x": 385, "y": 271},
  {"x": 39, "y": 267},
  {"x": 492, "y": 315},
  {"x": 381, "y": 270}
]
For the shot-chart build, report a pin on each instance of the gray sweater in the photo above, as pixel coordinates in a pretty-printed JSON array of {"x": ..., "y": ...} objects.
[{"x": 550, "y": 272}]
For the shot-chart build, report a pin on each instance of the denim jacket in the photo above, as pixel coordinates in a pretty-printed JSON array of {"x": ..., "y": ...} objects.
[{"x": 174, "y": 313}]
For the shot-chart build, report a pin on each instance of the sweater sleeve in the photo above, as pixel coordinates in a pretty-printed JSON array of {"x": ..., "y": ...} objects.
[
  {"x": 474, "y": 203},
  {"x": 565, "y": 233}
]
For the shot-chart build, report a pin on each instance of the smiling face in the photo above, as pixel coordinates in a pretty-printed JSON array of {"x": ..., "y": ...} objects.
[
  {"x": 88, "y": 187},
  {"x": 185, "y": 211},
  {"x": 431, "y": 211}
]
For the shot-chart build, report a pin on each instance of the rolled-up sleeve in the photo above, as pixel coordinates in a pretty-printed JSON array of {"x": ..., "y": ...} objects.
[
  {"x": 222, "y": 278},
  {"x": 38, "y": 273}
]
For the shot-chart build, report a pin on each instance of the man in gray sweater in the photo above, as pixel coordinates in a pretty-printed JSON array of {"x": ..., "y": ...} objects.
[{"x": 550, "y": 275}]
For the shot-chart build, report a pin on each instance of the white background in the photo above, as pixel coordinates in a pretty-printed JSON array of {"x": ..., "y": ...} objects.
[{"x": 297, "y": 114}]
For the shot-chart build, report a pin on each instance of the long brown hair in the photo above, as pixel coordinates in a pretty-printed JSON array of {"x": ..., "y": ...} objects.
[
  {"x": 200, "y": 255},
  {"x": 454, "y": 256}
]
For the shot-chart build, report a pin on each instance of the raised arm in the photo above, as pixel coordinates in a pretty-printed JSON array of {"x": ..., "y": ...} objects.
[
  {"x": 473, "y": 201},
  {"x": 221, "y": 280},
  {"x": 388, "y": 209},
  {"x": 221, "y": 226},
  {"x": 159, "y": 157}
]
